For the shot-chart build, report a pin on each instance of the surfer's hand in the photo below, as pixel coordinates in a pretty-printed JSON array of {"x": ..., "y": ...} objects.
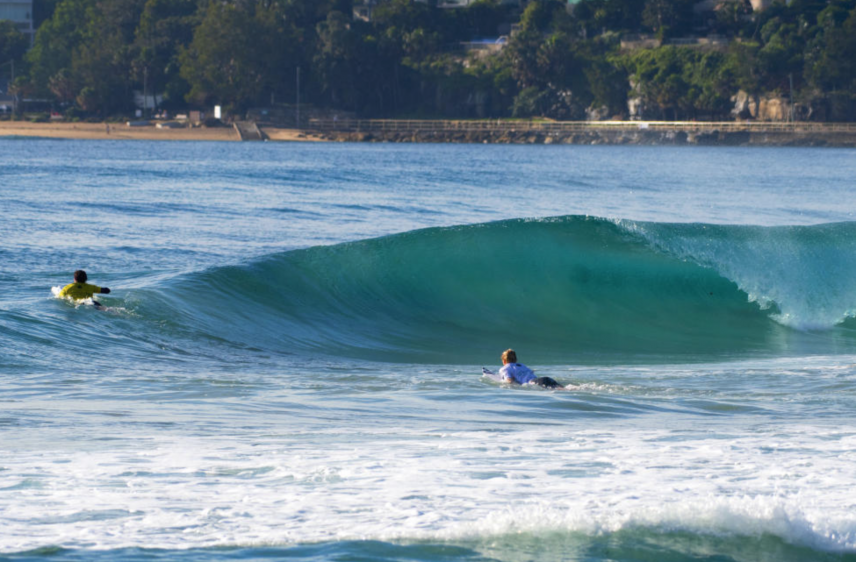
[{"x": 105, "y": 290}]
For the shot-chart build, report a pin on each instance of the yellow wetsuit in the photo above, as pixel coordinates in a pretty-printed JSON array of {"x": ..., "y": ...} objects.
[{"x": 79, "y": 291}]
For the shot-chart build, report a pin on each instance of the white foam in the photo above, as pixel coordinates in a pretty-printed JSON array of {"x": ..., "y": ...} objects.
[
  {"x": 90, "y": 302},
  {"x": 175, "y": 492}
]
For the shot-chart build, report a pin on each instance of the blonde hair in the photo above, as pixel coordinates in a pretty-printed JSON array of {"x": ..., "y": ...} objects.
[{"x": 509, "y": 356}]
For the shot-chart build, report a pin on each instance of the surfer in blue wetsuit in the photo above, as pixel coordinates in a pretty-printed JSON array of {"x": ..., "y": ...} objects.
[{"x": 518, "y": 373}]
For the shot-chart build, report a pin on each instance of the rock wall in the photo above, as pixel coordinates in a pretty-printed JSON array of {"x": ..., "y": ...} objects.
[
  {"x": 834, "y": 107},
  {"x": 635, "y": 137},
  {"x": 761, "y": 108}
]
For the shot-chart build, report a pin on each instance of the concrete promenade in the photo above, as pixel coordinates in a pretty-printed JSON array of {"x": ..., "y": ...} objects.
[
  {"x": 735, "y": 133},
  {"x": 374, "y": 125}
]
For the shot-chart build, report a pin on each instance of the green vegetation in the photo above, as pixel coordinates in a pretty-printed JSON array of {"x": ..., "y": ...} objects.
[
  {"x": 91, "y": 56},
  {"x": 13, "y": 44}
]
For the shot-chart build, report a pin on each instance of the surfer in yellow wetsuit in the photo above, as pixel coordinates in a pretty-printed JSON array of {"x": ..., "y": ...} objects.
[{"x": 80, "y": 290}]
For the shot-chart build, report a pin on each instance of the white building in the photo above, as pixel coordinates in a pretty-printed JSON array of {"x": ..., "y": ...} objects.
[{"x": 20, "y": 12}]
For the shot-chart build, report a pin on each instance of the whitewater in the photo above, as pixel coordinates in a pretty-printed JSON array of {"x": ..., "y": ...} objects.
[{"x": 289, "y": 364}]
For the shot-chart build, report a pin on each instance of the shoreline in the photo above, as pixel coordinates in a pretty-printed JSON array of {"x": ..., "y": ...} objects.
[
  {"x": 648, "y": 133},
  {"x": 607, "y": 138},
  {"x": 121, "y": 131},
  {"x": 414, "y": 132},
  {"x": 112, "y": 131}
]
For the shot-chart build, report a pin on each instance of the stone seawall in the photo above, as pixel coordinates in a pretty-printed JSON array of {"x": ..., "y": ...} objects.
[{"x": 605, "y": 137}]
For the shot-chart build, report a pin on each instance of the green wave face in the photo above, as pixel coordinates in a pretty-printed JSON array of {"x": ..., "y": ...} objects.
[{"x": 563, "y": 290}]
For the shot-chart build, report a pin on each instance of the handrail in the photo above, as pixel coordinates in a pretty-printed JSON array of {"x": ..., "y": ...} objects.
[{"x": 437, "y": 125}]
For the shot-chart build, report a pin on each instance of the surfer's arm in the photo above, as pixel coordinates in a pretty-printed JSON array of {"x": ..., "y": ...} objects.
[
  {"x": 487, "y": 372},
  {"x": 507, "y": 378},
  {"x": 104, "y": 290}
]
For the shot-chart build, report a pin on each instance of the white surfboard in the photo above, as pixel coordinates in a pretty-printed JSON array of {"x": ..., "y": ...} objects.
[
  {"x": 495, "y": 377},
  {"x": 78, "y": 302}
]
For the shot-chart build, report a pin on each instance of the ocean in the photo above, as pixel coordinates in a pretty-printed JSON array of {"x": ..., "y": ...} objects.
[{"x": 289, "y": 362}]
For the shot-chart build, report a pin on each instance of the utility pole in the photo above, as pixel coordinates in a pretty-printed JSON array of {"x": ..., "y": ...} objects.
[
  {"x": 145, "y": 91},
  {"x": 298, "y": 97},
  {"x": 11, "y": 63},
  {"x": 791, "y": 95}
]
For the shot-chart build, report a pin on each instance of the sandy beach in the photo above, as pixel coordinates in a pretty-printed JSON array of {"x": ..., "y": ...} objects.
[
  {"x": 118, "y": 131},
  {"x": 121, "y": 131}
]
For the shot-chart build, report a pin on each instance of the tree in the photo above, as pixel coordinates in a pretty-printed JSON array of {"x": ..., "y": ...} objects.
[
  {"x": 57, "y": 40},
  {"x": 743, "y": 63},
  {"x": 540, "y": 14},
  {"x": 781, "y": 54},
  {"x": 605, "y": 77},
  {"x": 86, "y": 45},
  {"x": 541, "y": 56},
  {"x": 219, "y": 64},
  {"x": 43, "y": 10},
  {"x": 481, "y": 18},
  {"x": 829, "y": 63},
  {"x": 522, "y": 56},
  {"x": 658, "y": 77},
  {"x": 63, "y": 86},
  {"x": 237, "y": 53},
  {"x": 102, "y": 60},
  {"x": 306, "y": 14},
  {"x": 407, "y": 61},
  {"x": 406, "y": 34},
  {"x": 595, "y": 16},
  {"x": 668, "y": 17},
  {"x": 13, "y": 44},
  {"x": 334, "y": 63},
  {"x": 730, "y": 17},
  {"x": 165, "y": 27},
  {"x": 680, "y": 83},
  {"x": 529, "y": 102}
]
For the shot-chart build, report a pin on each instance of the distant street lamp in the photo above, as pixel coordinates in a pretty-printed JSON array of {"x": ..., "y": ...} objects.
[
  {"x": 791, "y": 96},
  {"x": 145, "y": 91},
  {"x": 11, "y": 81},
  {"x": 11, "y": 62}
]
